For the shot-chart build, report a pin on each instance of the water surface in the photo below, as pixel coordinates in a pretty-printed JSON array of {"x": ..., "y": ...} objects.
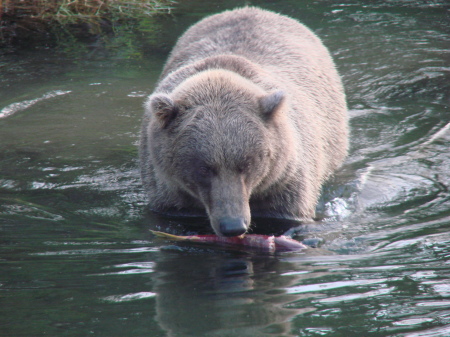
[{"x": 76, "y": 256}]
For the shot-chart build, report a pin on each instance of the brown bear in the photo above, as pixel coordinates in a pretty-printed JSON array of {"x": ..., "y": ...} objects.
[{"x": 248, "y": 118}]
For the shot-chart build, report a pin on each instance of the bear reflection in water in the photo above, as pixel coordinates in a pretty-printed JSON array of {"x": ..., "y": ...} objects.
[
  {"x": 248, "y": 119},
  {"x": 203, "y": 294}
]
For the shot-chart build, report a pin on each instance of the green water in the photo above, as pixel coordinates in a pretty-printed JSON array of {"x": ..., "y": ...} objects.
[{"x": 76, "y": 256}]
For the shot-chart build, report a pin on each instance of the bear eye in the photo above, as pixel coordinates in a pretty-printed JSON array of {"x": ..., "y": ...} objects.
[
  {"x": 205, "y": 171},
  {"x": 203, "y": 175},
  {"x": 185, "y": 107},
  {"x": 245, "y": 166}
]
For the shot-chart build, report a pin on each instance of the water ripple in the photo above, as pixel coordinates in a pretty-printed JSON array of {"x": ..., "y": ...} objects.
[
  {"x": 443, "y": 331},
  {"x": 351, "y": 297},
  {"x": 20, "y": 106},
  {"x": 334, "y": 285},
  {"x": 129, "y": 297},
  {"x": 98, "y": 251}
]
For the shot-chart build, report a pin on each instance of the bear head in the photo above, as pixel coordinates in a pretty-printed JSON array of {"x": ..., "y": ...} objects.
[{"x": 216, "y": 137}]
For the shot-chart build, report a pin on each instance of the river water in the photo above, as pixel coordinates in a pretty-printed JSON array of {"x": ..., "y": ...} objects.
[{"x": 76, "y": 255}]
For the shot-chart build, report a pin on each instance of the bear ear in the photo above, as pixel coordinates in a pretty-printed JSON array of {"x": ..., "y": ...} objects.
[
  {"x": 270, "y": 103},
  {"x": 163, "y": 107}
]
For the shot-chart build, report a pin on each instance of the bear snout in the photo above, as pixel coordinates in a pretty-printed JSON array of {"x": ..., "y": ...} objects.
[
  {"x": 232, "y": 226},
  {"x": 227, "y": 204}
]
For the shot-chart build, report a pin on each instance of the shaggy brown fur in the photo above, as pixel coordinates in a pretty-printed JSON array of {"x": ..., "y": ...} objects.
[{"x": 249, "y": 117}]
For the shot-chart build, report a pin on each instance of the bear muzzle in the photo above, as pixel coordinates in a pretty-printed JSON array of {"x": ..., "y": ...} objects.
[
  {"x": 229, "y": 226},
  {"x": 227, "y": 204}
]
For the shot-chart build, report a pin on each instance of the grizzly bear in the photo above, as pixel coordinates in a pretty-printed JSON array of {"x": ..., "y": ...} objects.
[{"x": 248, "y": 118}]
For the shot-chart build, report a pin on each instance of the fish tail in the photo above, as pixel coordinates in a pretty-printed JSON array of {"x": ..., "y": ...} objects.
[{"x": 169, "y": 236}]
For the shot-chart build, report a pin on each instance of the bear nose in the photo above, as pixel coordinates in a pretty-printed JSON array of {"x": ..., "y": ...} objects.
[{"x": 232, "y": 226}]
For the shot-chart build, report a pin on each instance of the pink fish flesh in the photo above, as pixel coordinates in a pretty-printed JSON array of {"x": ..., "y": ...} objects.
[{"x": 262, "y": 242}]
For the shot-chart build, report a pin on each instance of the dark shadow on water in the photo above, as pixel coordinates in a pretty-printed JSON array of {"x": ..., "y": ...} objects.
[{"x": 196, "y": 224}]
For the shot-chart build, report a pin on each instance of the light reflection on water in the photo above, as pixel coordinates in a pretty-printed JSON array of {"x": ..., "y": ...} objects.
[
  {"x": 20, "y": 106},
  {"x": 76, "y": 257}
]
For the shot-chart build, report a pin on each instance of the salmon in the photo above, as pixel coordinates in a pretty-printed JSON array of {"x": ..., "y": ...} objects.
[{"x": 256, "y": 241}]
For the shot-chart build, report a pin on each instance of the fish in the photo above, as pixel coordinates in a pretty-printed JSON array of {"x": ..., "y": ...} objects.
[{"x": 267, "y": 243}]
